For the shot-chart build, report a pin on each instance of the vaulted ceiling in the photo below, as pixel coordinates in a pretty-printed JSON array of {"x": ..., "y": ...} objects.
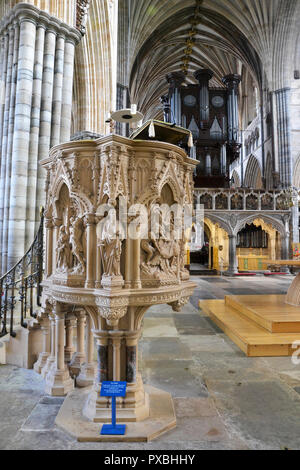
[{"x": 249, "y": 37}]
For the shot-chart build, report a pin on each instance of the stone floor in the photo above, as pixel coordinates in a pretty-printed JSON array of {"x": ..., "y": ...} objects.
[{"x": 223, "y": 399}]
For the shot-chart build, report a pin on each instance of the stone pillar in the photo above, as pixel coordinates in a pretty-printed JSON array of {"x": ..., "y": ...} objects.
[
  {"x": 67, "y": 91},
  {"x": 128, "y": 248},
  {"x": 98, "y": 268},
  {"x": 51, "y": 359},
  {"x": 49, "y": 246},
  {"x": 284, "y": 136},
  {"x": 58, "y": 380},
  {"x": 69, "y": 348},
  {"x": 91, "y": 251},
  {"x": 116, "y": 345},
  {"x": 273, "y": 246},
  {"x": 87, "y": 371},
  {"x": 57, "y": 224},
  {"x": 233, "y": 267},
  {"x": 46, "y": 111},
  {"x": 204, "y": 76},
  {"x": 57, "y": 90},
  {"x": 79, "y": 356},
  {"x": 10, "y": 132},
  {"x": 136, "y": 257},
  {"x": 102, "y": 357},
  {"x": 131, "y": 357},
  {"x": 232, "y": 82},
  {"x": 43, "y": 357},
  {"x": 28, "y": 52},
  {"x": 20, "y": 151},
  {"x": 34, "y": 132}
]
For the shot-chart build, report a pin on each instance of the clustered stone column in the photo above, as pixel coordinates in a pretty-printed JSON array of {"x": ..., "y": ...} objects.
[
  {"x": 284, "y": 136},
  {"x": 58, "y": 363},
  {"x": 36, "y": 70}
]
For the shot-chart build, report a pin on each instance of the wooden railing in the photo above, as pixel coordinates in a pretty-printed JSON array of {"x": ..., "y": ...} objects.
[{"x": 20, "y": 287}]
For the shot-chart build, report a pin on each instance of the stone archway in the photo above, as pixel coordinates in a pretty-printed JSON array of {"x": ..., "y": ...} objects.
[
  {"x": 253, "y": 174},
  {"x": 278, "y": 241}
]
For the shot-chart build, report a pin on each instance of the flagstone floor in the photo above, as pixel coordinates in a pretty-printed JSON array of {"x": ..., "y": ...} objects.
[{"x": 223, "y": 399}]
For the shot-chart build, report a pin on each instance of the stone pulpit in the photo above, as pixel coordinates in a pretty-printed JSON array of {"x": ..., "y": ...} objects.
[{"x": 111, "y": 253}]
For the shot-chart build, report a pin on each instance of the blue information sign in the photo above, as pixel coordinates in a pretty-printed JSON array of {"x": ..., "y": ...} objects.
[{"x": 113, "y": 390}]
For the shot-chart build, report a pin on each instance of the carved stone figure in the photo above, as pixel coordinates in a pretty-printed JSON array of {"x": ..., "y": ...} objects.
[
  {"x": 76, "y": 234},
  {"x": 63, "y": 249},
  {"x": 111, "y": 248}
]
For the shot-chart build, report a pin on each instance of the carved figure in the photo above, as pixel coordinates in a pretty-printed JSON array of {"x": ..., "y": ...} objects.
[
  {"x": 111, "y": 248},
  {"x": 63, "y": 249},
  {"x": 76, "y": 233}
]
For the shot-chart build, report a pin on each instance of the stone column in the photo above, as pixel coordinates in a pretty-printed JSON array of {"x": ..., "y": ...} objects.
[
  {"x": 136, "y": 261},
  {"x": 41, "y": 362},
  {"x": 58, "y": 380},
  {"x": 131, "y": 357},
  {"x": 87, "y": 371},
  {"x": 46, "y": 112},
  {"x": 34, "y": 132},
  {"x": 128, "y": 248},
  {"x": 79, "y": 356},
  {"x": 66, "y": 108},
  {"x": 273, "y": 246},
  {"x": 284, "y": 136},
  {"x": 98, "y": 269},
  {"x": 51, "y": 359},
  {"x": 49, "y": 246},
  {"x": 102, "y": 357},
  {"x": 10, "y": 132},
  {"x": 57, "y": 90},
  {"x": 204, "y": 76},
  {"x": 57, "y": 224},
  {"x": 116, "y": 338},
  {"x": 233, "y": 267},
  {"x": 69, "y": 348},
  {"x": 20, "y": 151},
  {"x": 232, "y": 82},
  {"x": 91, "y": 251}
]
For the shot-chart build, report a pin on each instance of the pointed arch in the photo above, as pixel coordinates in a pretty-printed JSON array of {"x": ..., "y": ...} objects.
[{"x": 253, "y": 174}]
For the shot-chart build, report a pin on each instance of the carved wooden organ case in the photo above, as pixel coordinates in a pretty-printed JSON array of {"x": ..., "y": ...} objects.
[{"x": 211, "y": 114}]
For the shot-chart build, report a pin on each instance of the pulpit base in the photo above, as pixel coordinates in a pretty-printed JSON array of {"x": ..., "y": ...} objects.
[{"x": 161, "y": 419}]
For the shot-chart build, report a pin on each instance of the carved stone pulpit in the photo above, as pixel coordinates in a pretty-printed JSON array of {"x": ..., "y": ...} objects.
[{"x": 106, "y": 257}]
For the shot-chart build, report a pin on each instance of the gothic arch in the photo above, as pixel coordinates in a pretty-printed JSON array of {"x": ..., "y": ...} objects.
[
  {"x": 215, "y": 219},
  {"x": 269, "y": 173},
  {"x": 236, "y": 179},
  {"x": 253, "y": 175},
  {"x": 276, "y": 224}
]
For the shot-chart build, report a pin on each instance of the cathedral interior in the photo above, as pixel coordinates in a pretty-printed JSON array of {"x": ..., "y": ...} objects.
[{"x": 192, "y": 101}]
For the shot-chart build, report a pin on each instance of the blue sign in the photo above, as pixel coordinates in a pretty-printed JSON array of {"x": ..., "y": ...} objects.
[{"x": 113, "y": 390}]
